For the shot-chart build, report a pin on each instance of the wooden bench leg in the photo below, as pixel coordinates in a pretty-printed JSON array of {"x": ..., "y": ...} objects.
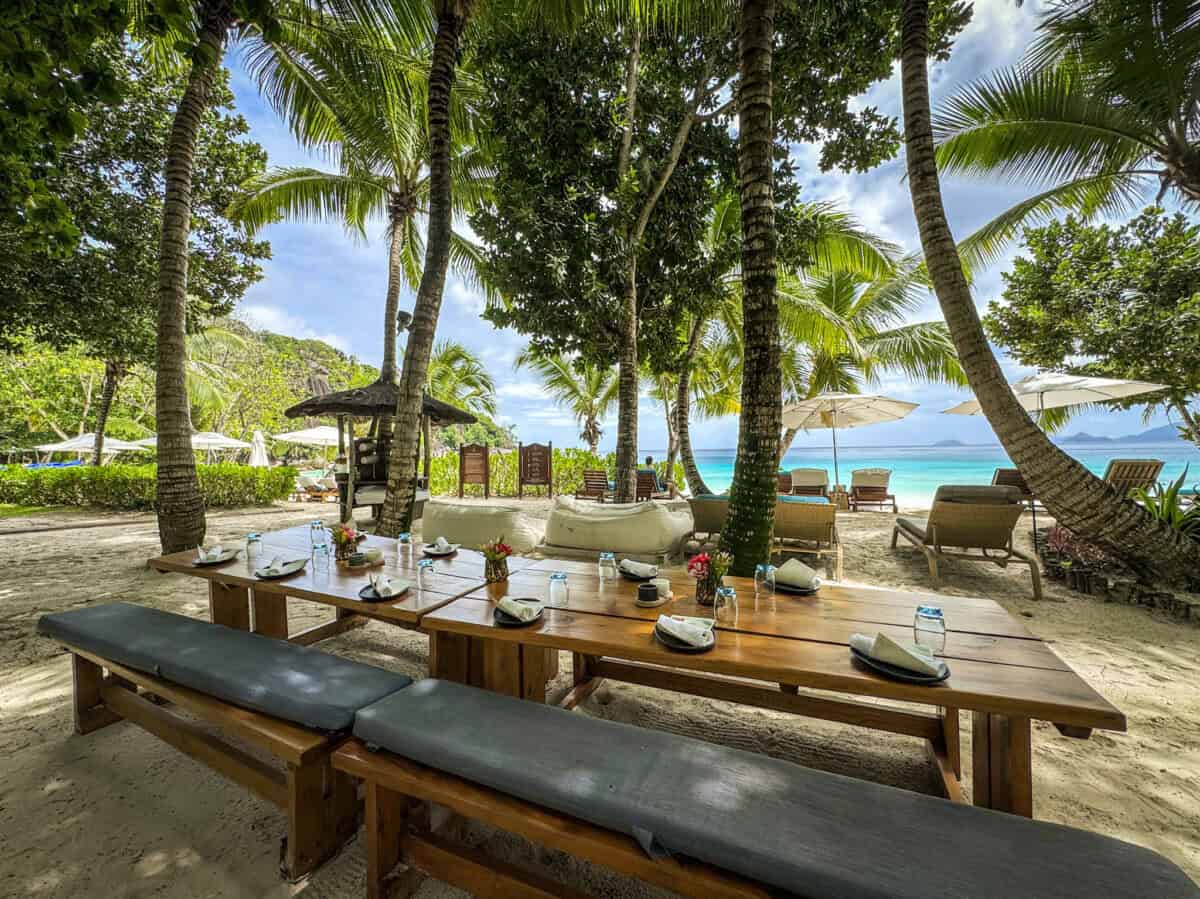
[
  {"x": 229, "y": 605},
  {"x": 90, "y": 712},
  {"x": 322, "y": 814},
  {"x": 270, "y": 614},
  {"x": 1002, "y": 763},
  {"x": 386, "y": 824}
]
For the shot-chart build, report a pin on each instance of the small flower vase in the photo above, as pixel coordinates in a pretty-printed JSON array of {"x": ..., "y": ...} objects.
[
  {"x": 706, "y": 591},
  {"x": 495, "y": 570},
  {"x": 343, "y": 551}
]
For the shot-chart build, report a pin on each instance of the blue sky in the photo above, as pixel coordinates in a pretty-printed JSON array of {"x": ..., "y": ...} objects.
[{"x": 323, "y": 283}]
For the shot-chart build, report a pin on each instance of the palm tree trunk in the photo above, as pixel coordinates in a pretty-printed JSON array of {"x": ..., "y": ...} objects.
[
  {"x": 627, "y": 390},
  {"x": 752, "y": 495},
  {"x": 1074, "y": 496},
  {"x": 785, "y": 442},
  {"x": 113, "y": 373},
  {"x": 402, "y": 464},
  {"x": 683, "y": 400},
  {"x": 672, "y": 442},
  {"x": 391, "y": 305},
  {"x": 180, "y": 506}
]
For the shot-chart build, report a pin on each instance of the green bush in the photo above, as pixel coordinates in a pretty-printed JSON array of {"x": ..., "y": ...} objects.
[
  {"x": 132, "y": 487},
  {"x": 568, "y": 473}
]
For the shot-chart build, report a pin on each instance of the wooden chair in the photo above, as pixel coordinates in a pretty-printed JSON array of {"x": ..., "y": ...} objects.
[
  {"x": 810, "y": 482},
  {"x": 647, "y": 487},
  {"x": 809, "y": 528},
  {"x": 1126, "y": 475},
  {"x": 595, "y": 485},
  {"x": 969, "y": 518},
  {"x": 784, "y": 481},
  {"x": 869, "y": 487}
]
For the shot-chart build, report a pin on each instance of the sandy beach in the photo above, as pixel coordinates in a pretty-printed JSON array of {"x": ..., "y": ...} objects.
[{"x": 118, "y": 813}]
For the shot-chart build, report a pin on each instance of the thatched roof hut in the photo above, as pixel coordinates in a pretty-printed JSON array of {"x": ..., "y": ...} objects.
[{"x": 376, "y": 399}]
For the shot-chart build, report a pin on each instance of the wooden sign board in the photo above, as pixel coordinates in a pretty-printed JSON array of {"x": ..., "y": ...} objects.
[
  {"x": 473, "y": 467},
  {"x": 535, "y": 467}
]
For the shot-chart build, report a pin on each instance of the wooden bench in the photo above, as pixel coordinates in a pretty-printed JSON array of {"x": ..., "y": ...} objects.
[{"x": 320, "y": 803}]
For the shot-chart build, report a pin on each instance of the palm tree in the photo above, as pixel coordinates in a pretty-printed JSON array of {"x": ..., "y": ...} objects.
[
  {"x": 1075, "y": 497},
  {"x": 203, "y": 27},
  {"x": 1104, "y": 107},
  {"x": 586, "y": 390},
  {"x": 458, "y": 377}
]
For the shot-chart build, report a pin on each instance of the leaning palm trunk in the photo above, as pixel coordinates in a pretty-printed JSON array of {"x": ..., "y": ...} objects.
[
  {"x": 627, "y": 393},
  {"x": 786, "y": 441},
  {"x": 683, "y": 435},
  {"x": 113, "y": 373},
  {"x": 391, "y": 306},
  {"x": 1075, "y": 497},
  {"x": 180, "y": 506},
  {"x": 747, "y": 533},
  {"x": 402, "y": 464}
]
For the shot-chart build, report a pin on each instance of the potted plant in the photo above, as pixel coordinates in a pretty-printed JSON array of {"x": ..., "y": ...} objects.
[
  {"x": 708, "y": 570},
  {"x": 345, "y": 540},
  {"x": 495, "y": 555}
]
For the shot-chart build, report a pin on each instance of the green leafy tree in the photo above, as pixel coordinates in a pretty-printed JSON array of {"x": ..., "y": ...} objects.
[
  {"x": 1103, "y": 107},
  {"x": 102, "y": 295},
  {"x": 1126, "y": 299},
  {"x": 588, "y": 391},
  {"x": 1076, "y": 498}
]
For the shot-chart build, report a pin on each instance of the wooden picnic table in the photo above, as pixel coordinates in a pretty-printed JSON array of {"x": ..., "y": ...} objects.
[{"x": 789, "y": 653}]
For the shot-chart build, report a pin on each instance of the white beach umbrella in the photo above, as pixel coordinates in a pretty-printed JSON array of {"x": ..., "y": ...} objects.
[
  {"x": 203, "y": 440},
  {"x": 85, "y": 443},
  {"x": 322, "y": 435},
  {"x": 843, "y": 410},
  {"x": 1054, "y": 390},
  {"x": 258, "y": 451}
]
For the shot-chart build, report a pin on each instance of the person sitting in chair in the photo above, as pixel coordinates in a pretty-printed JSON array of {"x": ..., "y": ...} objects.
[{"x": 659, "y": 486}]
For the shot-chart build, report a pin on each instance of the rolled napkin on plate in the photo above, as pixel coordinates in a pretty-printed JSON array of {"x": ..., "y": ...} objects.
[
  {"x": 441, "y": 544},
  {"x": 909, "y": 656},
  {"x": 638, "y": 569},
  {"x": 692, "y": 631},
  {"x": 209, "y": 555},
  {"x": 275, "y": 566},
  {"x": 522, "y": 611},
  {"x": 384, "y": 586},
  {"x": 794, "y": 573}
]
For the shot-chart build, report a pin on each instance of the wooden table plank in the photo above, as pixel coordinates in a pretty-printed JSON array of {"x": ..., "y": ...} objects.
[{"x": 1057, "y": 696}]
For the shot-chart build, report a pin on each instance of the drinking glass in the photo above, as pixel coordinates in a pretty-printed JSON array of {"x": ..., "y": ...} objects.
[
  {"x": 424, "y": 573},
  {"x": 320, "y": 557},
  {"x": 558, "y": 590},
  {"x": 254, "y": 547},
  {"x": 403, "y": 549},
  {"x": 929, "y": 628},
  {"x": 316, "y": 532},
  {"x": 607, "y": 567},
  {"x": 725, "y": 604},
  {"x": 764, "y": 579}
]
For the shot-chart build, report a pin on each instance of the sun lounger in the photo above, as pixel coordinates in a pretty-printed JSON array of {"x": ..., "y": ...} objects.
[
  {"x": 969, "y": 518},
  {"x": 708, "y": 518},
  {"x": 315, "y": 490},
  {"x": 806, "y": 526},
  {"x": 595, "y": 485},
  {"x": 290, "y": 702},
  {"x": 693, "y": 817},
  {"x": 869, "y": 487},
  {"x": 648, "y": 487},
  {"x": 1126, "y": 475},
  {"x": 810, "y": 481}
]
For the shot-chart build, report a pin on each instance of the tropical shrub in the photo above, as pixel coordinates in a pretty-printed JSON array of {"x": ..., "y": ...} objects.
[
  {"x": 132, "y": 487},
  {"x": 1167, "y": 505},
  {"x": 568, "y": 472}
]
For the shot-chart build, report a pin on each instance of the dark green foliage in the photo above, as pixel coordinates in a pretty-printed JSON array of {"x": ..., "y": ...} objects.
[
  {"x": 1126, "y": 299},
  {"x": 1168, "y": 505},
  {"x": 132, "y": 487}
]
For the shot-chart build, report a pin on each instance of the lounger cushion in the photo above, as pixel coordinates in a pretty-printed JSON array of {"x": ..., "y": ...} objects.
[
  {"x": 296, "y": 683},
  {"x": 918, "y": 527},
  {"x": 801, "y": 498},
  {"x": 977, "y": 493},
  {"x": 810, "y": 832}
]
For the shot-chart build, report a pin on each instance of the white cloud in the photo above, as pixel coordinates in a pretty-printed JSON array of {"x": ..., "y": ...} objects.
[
  {"x": 525, "y": 390},
  {"x": 465, "y": 297},
  {"x": 263, "y": 317}
]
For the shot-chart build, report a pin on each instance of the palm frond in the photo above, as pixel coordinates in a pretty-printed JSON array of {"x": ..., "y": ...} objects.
[{"x": 311, "y": 194}]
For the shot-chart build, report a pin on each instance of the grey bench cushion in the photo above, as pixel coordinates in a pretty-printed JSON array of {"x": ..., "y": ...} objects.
[
  {"x": 296, "y": 683},
  {"x": 808, "y": 832}
]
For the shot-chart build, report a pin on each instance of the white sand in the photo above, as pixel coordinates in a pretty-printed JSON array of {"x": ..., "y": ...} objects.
[{"x": 118, "y": 813}]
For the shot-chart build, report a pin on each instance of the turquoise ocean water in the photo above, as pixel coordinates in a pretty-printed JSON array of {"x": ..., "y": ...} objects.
[{"x": 917, "y": 471}]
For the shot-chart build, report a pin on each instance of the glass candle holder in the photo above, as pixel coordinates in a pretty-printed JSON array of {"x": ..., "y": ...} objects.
[
  {"x": 607, "y": 567},
  {"x": 764, "y": 580},
  {"x": 929, "y": 628},
  {"x": 559, "y": 592}
]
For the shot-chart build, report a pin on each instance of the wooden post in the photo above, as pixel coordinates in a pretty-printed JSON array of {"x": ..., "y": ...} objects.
[
  {"x": 1002, "y": 763},
  {"x": 344, "y": 486},
  {"x": 351, "y": 466},
  {"x": 426, "y": 433}
]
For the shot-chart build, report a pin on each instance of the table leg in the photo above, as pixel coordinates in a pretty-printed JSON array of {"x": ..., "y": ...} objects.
[
  {"x": 502, "y": 667},
  {"x": 229, "y": 605},
  {"x": 1002, "y": 763},
  {"x": 535, "y": 665},
  {"x": 953, "y": 739},
  {"x": 449, "y": 657},
  {"x": 270, "y": 614}
]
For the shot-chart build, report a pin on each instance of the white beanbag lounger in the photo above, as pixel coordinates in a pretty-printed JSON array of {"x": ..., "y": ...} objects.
[
  {"x": 647, "y": 528},
  {"x": 473, "y": 525}
]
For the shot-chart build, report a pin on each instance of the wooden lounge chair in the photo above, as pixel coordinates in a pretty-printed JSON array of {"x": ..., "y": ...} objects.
[
  {"x": 647, "y": 487},
  {"x": 869, "y": 487},
  {"x": 969, "y": 518},
  {"x": 809, "y": 527},
  {"x": 1126, "y": 475},
  {"x": 784, "y": 479},
  {"x": 595, "y": 485},
  {"x": 315, "y": 490},
  {"x": 708, "y": 518},
  {"x": 253, "y": 689},
  {"x": 810, "y": 482},
  {"x": 644, "y": 803}
]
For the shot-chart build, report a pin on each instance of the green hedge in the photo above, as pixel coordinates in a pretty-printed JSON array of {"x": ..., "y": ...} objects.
[
  {"x": 132, "y": 487},
  {"x": 568, "y": 473}
]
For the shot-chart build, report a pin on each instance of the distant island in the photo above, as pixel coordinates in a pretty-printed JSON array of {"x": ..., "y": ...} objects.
[
  {"x": 1164, "y": 434},
  {"x": 948, "y": 443}
]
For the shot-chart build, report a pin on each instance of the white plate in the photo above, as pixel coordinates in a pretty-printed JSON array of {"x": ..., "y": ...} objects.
[
  {"x": 284, "y": 570},
  {"x": 431, "y": 550}
]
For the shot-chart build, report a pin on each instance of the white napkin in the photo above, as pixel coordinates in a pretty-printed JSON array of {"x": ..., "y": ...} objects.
[
  {"x": 693, "y": 631},
  {"x": 909, "y": 656},
  {"x": 209, "y": 555},
  {"x": 384, "y": 586},
  {"x": 522, "y": 611},
  {"x": 441, "y": 544},
  {"x": 639, "y": 569},
  {"x": 663, "y": 585},
  {"x": 275, "y": 566},
  {"x": 794, "y": 573}
]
